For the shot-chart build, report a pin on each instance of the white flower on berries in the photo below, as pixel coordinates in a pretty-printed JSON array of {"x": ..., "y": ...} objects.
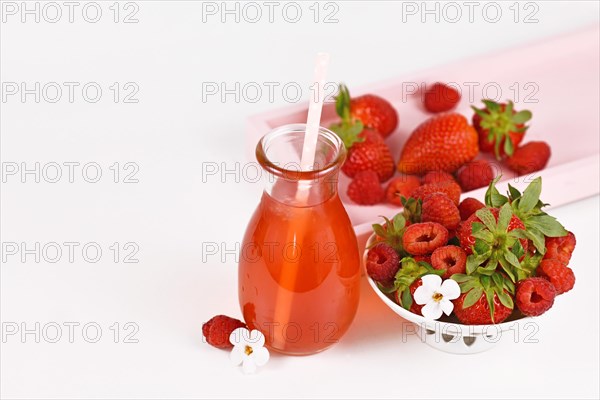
[
  {"x": 435, "y": 296},
  {"x": 248, "y": 349}
]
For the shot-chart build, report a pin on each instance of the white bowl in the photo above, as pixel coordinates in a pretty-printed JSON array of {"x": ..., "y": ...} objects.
[{"x": 449, "y": 336}]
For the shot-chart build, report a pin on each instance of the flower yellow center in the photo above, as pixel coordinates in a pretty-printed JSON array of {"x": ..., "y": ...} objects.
[
  {"x": 248, "y": 350},
  {"x": 437, "y": 297}
]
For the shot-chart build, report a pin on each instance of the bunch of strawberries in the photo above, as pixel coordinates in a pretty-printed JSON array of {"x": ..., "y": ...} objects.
[
  {"x": 506, "y": 255},
  {"x": 442, "y": 149}
]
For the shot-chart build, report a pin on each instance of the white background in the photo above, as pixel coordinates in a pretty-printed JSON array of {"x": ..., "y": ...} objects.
[{"x": 171, "y": 213}]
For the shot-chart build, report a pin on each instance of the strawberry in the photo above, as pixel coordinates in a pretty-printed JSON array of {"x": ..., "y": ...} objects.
[
  {"x": 529, "y": 158},
  {"x": 401, "y": 186},
  {"x": 560, "y": 248},
  {"x": 493, "y": 237},
  {"x": 442, "y": 143},
  {"x": 368, "y": 111},
  {"x": 368, "y": 152},
  {"x": 438, "y": 177},
  {"x": 479, "y": 312},
  {"x": 500, "y": 127},
  {"x": 485, "y": 299},
  {"x": 468, "y": 206},
  {"x": 424, "y": 237},
  {"x": 365, "y": 188},
  {"x": 440, "y": 97},
  {"x": 475, "y": 175},
  {"x": 438, "y": 207},
  {"x": 450, "y": 189}
]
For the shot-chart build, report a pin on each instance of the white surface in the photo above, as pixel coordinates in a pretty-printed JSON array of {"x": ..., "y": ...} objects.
[{"x": 172, "y": 214}]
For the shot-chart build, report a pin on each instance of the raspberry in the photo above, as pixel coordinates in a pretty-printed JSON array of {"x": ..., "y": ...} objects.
[
  {"x": 534, "y": 296},
  {"x": 217, "y": 330},
  {"x": 424, "y": 238},
  {"x": 451, "y": 258},
  {"x": 559, "y": 275},
  {"x": 560, "y": 248},
  {"x": 437, "y": 207},
  {"x": 450, "y": 189},
  {"x": 529, "y": 158},
  {"x": 474, "y": 175},
  {"x": 414, "y": 308},
  {"x": 401, "y": 186},
  {"x": 440, "y": 97},
  {"x": 365, "y": 188},
  {"x": 438, "y": 177},
  {"x": 468, "y": 206},
  {"x": 382, "y": 263}
]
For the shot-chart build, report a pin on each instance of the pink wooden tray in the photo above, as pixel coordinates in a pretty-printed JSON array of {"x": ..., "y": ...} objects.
[{"x": 557, "y": 79}]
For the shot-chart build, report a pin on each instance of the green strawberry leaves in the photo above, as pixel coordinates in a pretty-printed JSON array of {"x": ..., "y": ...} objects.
[
  {"x": 492, "y": 197},
  {"x": 348, "y": 129},
  {"x": 495, "y": 244},
  {"x": 412, "y": 209},
  {"x": 527, "y": 206},
  {"x": 392, "y": 233},
  {"x": 499, "y": 122}
]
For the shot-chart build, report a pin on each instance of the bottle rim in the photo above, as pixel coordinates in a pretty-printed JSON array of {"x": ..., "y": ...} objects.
[{"x": 297, "y": 174}]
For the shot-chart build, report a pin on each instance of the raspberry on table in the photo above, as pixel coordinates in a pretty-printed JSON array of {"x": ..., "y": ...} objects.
[
  {"x": 561, "y": 276},
  {"x": 365, "y": 188},
  {"x": 218, "y": 328},
  {"x": 401, "y": 186},
  {"x": 534, "y": 296},
  {"x": 451, "y": 258},
  {"x": 438, "y": 207},
  {"x": 382, "y": 263},
  {"x": 423, "y": 238},
  {"x": 475, "y": 174},
  {"x": 560, "y": 248},
  {"x": 468, "y": 206}
]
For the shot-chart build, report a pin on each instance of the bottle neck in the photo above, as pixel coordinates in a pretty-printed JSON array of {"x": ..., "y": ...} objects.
[
  {"x": 302, "y": 193},
  {"x": 280, "y": 152}
]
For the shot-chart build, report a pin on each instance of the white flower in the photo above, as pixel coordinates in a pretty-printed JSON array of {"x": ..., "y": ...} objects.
[
  {"x": 436, "y": 296},
  {"x": 248, "y": 349}
]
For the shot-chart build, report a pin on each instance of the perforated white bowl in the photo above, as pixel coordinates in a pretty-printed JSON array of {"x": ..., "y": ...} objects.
[{"x": 453, "y": 337}]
